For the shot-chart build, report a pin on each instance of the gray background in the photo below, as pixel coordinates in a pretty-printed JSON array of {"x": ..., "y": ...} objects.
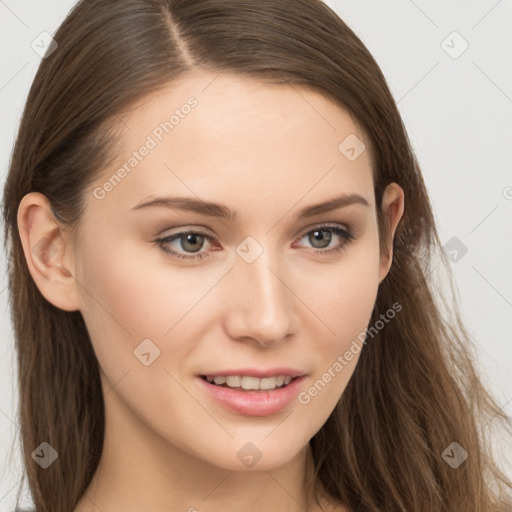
[{"x": 457, "y": 110}]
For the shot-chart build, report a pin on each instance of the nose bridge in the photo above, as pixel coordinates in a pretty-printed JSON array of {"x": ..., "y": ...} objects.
[{"x": 262, "y": 302}]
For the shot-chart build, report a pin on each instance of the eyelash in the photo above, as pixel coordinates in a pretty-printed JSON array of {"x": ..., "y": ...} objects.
[{"x": 346, "y": 235}]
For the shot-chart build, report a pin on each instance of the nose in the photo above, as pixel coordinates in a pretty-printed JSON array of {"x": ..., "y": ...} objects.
[{"x": 261, "y": 302}]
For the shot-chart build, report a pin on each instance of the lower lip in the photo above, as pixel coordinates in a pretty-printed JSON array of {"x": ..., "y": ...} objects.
[{"x": 254, "y": 403}]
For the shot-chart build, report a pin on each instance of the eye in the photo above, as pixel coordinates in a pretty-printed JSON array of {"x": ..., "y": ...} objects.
[
  {"x": 193, "y": 241},
  {"x": 189, "y": 240},
  {"x": 323, "y": 235}
]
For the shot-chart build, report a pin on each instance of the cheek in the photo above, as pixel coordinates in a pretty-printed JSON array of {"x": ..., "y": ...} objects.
[
  {"x": 341, "y": 294},
  {"x": 123, "y": 287},
  {"x": 131, "y": 295},
  {"x": 118, "y": 304},
  {"x": 342, "y": 297}
]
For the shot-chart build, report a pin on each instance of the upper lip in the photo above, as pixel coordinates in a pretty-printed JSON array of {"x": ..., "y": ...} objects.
[{"x": 255, "y": 372}]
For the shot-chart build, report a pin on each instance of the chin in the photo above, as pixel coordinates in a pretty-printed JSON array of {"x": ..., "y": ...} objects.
[{"x": 250, "y": 453}]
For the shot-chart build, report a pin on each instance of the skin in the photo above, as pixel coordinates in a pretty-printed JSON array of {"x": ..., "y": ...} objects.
[{"x": 264, "y": 151}]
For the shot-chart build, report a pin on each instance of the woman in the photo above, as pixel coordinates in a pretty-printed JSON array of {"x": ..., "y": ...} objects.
[{"x": 296, "y": 358}]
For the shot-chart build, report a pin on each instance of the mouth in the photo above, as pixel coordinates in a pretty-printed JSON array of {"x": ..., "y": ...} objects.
[
  {"x": 249, "y": 383},
  {"x": 253, "y": 396}
]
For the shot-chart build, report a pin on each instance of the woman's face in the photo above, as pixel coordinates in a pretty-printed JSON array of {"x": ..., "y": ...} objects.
[{"x": 265, "y": 290}]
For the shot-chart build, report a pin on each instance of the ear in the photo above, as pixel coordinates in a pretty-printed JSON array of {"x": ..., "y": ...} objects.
[
  {"x": 393, "y": 209},
  {"x": 48, "y": 252}
]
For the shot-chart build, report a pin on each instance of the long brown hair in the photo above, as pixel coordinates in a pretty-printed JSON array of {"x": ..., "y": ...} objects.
[{"x": 415, "y": 389}]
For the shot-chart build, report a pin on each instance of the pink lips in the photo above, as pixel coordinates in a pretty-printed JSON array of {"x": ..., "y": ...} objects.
[{"x": 255, "y": 403}]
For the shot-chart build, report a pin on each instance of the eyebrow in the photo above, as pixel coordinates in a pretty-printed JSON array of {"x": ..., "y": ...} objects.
[{"x": 212, "y": 209}]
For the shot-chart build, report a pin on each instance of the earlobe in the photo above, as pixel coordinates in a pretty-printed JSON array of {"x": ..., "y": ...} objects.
[
  {"x": 47, "y": 252},
  {"x": 393, "y": 208}
]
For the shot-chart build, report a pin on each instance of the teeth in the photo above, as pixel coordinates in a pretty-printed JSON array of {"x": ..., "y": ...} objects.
[
  {"x": 234, "y": 381},
  {"x": 249, "y": 383}
]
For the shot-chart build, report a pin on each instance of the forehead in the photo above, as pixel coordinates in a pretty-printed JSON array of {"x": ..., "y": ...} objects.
[{"x": 225, "y": 137}]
